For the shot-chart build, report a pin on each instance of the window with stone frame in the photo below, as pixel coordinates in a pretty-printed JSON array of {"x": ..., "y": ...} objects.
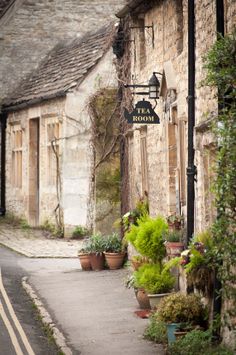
[
  {"x": 131, "y": 171},
  {"x": 16, "y": 156},
  {"x": 182, "y": 161},
  {"x": 53, "y": 134},
  {"x": 209, "y": 159},
  {"x": 144, "y": 162}
]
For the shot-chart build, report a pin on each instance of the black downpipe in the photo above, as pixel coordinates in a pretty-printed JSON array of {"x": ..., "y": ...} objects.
[
  {"x": 3, "y": 120},
  {"x": 191, "y": 169}
]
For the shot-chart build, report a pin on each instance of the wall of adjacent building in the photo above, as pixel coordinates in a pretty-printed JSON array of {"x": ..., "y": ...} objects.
[{"x": 73, "y": 192}]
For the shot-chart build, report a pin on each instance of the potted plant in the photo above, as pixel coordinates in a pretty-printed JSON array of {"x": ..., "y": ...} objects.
[
  {"x": 114, "y": 251},
  {"x": 180, "y": 311},
  {"x": 174, "y": 243},
  {"x": 137, "y": 261},
  {"x": 175, "y": 221},
  {"x": 156, "y": 281},
  {"x": 95, "y": 248},
  {"x": 198, "y": 263},
  {"x": 140, "y": 294},
  {"x": 84, "y": 258},
  {"x": 147, "y": 237}
]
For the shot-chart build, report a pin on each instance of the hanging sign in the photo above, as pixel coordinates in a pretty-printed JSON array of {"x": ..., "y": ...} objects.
[{"x": 142, "y": 113}]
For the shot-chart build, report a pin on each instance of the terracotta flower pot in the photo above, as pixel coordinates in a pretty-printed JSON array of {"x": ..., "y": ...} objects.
[
  {"x": 84, "y": 261},
  {"x": 174, "y": 249},
  {"x": 97, "y": 261},
  {"x": 142, "y": 299},
  {"x": 114, "y": 260}
]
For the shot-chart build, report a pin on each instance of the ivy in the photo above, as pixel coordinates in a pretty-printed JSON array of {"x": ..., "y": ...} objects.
[{"x": 220, "y": 64}]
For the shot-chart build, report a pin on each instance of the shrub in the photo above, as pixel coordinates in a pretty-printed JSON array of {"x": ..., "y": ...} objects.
[
  {"x": 181, "y": 308},
  {"x": 156, "y": 330},
  {"x": 154, "y": 279},
  {"x": 96, "y": 244},
  {"x": 80, "y": 232},
  {"x": 148, "y": 237},
  {"x": 113, "y": 243},
  {"x": 197, "y": 342},
  {"x": 173, "y": 236}
]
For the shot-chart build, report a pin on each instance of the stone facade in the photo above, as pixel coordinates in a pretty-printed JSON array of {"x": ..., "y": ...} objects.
[
  {"x": 30, "y": 29},
  {"x": 70, "y": 198},
  {"x": 166, "y": 144}
]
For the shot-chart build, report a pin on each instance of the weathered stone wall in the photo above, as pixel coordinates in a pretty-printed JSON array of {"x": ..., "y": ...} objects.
[
  {"x": 169, "y": 55},
  {"x": 30, "y": 29},
  {"x": 75, "y": 154}
]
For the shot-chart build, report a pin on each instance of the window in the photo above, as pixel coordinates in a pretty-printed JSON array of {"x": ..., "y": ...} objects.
[
  {"x": 182, "y": 165},
  {"x": 144, "y": 165},
  {"x": 17, "y": 156},
  {"x": 52, "y": 152}
]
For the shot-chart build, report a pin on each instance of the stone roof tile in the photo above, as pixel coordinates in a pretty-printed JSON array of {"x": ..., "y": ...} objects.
[{"x": 65, "y": 67}]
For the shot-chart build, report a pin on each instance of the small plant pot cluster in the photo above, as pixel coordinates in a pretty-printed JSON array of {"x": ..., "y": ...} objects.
[
  {"x": 100, "y": 250},
  {"x": 152, "y": 278}
]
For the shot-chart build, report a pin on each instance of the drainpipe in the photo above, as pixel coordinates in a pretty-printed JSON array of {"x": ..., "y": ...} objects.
[
  {"x": 217, "y": 301},
  {"x": 191, "y": 168},
  {"x": 3, "y": 120}
]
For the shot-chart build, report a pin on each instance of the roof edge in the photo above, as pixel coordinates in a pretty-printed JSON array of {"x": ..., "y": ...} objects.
[
  {"x": 24, "y": 104},
  {"x": 128, "y": 8}
]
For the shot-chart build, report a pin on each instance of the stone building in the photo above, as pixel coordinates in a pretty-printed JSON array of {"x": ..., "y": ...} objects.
[
  {"x": 49, "y": 157},
  {"x": 171, "y": 162},
  {"x": 30, "y": 29},
  {"x": 156, "y": 40}
]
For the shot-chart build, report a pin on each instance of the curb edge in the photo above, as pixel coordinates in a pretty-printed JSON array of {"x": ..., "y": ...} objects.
[{"x": 46, "y": 318}]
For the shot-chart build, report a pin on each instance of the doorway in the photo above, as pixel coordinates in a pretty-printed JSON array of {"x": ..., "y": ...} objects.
[{"x": 33, "y": 205}]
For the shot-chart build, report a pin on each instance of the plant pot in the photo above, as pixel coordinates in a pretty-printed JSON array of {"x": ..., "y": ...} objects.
[
  {"x": 171, "y": 329},
  {"x": 114, "y": 260},
  {"x": 142, "y": 298},
  {"x": 155, "y": 299},
  {"x": 84, "y": 261},
  {"x": 175, "y": 225},
  {"x": 180, "y": 334},
  {"x": 97, "y": 261},
  {"x": 174, "y": 249}
]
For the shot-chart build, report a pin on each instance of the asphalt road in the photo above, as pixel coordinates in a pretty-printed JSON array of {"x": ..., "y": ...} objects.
[{"x": 27, "y": 336}]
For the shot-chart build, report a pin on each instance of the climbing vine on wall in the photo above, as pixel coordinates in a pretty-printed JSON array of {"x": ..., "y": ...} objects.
[
  {"x": 220, "y": 64},
  {"x": 104, "y": 116}
]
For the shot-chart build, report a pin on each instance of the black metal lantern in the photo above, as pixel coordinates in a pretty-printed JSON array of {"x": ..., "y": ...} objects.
[{"x": 154, "y": 87}]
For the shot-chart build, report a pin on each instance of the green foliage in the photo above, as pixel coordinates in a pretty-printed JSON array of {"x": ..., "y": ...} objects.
[
  {"x": 79, "y": 232},
  {"x": 108, "y": 183},
  {"x": 181, "y": 308},
  {"x": 197, "y": 342},
  {"x": 96, "y": 244},
  {"x": 173, "y": 236},
  {"x": 196, "y": 260},
  {"x": 156, "y": 330},
  {"x": 131, "y": 217},
  {"x": 148, "y": 238},
  {"x": 154, "y": 279},
  {"x": 24, "y": 224},
  {"x": 113, "y": 243},
  {"x": 220, "y": 64}
]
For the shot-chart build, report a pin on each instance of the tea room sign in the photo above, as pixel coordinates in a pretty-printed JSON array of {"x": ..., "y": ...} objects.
[{"x": 142, "y": 113}]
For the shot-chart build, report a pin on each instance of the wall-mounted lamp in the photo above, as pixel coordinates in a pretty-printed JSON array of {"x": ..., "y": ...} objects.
[{"x": 153, "y": 87}]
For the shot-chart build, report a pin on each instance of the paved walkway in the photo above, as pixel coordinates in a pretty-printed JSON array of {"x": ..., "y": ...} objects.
[
  {"x": 94, "y": 310},
  {"x": 36, "y": 243}
]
